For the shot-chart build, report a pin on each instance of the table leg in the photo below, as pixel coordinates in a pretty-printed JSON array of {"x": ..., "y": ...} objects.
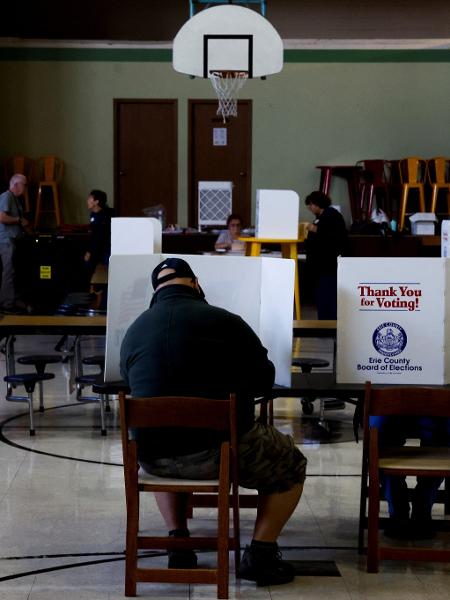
[
  {"x": 290, "y": 251},
  {"x": 325, "y": 178},
  {"x": 252, "y": 249}
]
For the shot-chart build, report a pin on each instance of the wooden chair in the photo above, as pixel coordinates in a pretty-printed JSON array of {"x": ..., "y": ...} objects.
[
  {"x": 217, "y": 415},
  {"x": 439, "y": 178},
  {"x": 23, "y": 165},
  {"x": 403, "y": 461},
  {"x": 412, "y": 176},
  {"x": 50, "y": 170}
]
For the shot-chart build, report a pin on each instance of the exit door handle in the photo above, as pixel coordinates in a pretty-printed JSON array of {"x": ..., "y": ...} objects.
[{"x": 243, "y": 174}]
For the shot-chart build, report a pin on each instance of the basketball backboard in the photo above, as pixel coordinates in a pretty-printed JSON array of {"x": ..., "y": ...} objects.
[{"x": 228, "y": 38}]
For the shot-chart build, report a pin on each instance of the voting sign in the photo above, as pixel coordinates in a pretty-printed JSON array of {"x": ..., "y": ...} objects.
[{"x": 393, "y": 320}]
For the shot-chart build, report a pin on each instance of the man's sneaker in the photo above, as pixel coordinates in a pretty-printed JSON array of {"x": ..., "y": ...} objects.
[
  {"x": 265, "y": 566},
  {"x": 182, "y": 559}
]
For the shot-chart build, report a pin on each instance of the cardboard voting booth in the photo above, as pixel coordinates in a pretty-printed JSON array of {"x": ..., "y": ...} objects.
[
  {"x": 260, "y": 290},
  {"x": 277, "y": 213},
  {"x": 393, "y": 320},
  {"x": 136, "y": 235}
]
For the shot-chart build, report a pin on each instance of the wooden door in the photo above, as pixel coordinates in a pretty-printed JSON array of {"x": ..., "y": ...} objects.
[
  {"x": 220, "y": 151},
  {"x": 145, "y": 156}
]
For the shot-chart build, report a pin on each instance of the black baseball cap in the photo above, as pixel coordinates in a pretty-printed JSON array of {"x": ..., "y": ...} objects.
[{"x": 180, "y": 266}]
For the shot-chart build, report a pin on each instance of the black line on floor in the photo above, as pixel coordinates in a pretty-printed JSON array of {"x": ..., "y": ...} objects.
[{"x": 8, "y": 442}]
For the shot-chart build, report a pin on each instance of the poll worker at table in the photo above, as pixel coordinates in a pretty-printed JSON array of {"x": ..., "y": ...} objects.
[
  {"x": 183, "y": 346},
  {"x": 229, "y": 238},
  {"x": 327, "y": 239},
  {"x": 13, "y": 227}
]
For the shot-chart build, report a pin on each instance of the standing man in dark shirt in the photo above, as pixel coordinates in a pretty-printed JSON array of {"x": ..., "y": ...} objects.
[
  {"x": 100, "y": 216},
  {"x": 182, "y": 346},
  {"x": 327, "y": 239}
]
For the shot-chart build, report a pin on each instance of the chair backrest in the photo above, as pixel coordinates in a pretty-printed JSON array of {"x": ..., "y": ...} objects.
[
  {"x": 439, "y": 170},
  {"x": 18, "y": 164},
  {"x": 50, "y": 168},
  {"x": 405, "y": 401},
  {"x": 377, "y": 170},
  {"x": 178, "y": 412},
  {"x": 413, "y": 169}
]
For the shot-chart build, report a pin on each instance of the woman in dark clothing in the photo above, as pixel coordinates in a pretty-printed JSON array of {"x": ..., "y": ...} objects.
[
  {"x": 99, "y": 247},
  {"x": 327, "y": 239}
]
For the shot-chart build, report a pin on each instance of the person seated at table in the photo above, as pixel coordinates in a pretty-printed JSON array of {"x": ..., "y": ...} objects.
[
  {"x": 183, "y": 346},
  {"x": 414, "y": 523},
  {"x": 327, "y": 239},
  {"x": 228, "y": 239}
]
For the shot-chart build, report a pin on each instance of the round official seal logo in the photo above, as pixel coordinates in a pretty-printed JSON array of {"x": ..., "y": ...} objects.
[{"x": 389, "y": 339}]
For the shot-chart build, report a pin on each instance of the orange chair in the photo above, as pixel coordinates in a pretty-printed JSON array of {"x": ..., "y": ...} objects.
[
  {"x": 23, "y": 165},
  {"x": 439, "y": 178},
  {"x": 50, "y": 170},
  {"x": 412, "y": 176}
]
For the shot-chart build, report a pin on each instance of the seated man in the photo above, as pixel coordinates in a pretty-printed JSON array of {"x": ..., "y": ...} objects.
[{"x": 182, "y": 346}]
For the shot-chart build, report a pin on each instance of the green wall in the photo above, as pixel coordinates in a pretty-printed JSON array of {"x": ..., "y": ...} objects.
[{"x": 323, "y": 108}]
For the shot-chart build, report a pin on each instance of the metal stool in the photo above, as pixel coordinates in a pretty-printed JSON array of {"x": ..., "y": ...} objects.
[
  {"x": 40, "y": 361},
  {"x": 307, "y": 365},
  {"x": 104, "y": 390},
  {"x": 29, "y": 380}
]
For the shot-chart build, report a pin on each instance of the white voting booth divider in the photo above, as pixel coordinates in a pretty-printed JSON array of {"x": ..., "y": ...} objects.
[
  {"x": 277, "y": 214},
  {"x": 393, "y": 320},
  {"x": 136, "y": 235},
  {"x": 260, "y": 290},
  {"x": 445, "y": 239}
]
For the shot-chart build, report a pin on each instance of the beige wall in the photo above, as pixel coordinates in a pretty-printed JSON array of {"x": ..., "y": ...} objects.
[{"x": 311, "y": 113}]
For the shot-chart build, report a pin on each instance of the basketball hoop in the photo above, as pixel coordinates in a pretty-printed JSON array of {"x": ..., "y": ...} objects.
[{"x": 227, "y": 85}]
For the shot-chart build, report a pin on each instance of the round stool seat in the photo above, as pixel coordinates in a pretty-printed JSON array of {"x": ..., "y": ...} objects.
[
  {"x": 110, "y": 387},
  {"x": 29, "y": 380},
  {"x": 87, "y": 379},
  {"x": 307, "y": 364},
  {"x": 40, "y": 361},
  {"x": 98, "y": 360}
]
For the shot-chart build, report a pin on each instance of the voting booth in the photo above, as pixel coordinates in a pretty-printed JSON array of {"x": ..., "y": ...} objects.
[
  {"x": 277, "y": 214},
  {"x": 393, "y": 320},
  {"x": 260, "y": 290},
  {"x": 445, "y": 239},
  {"x": 136, "y": 235}
]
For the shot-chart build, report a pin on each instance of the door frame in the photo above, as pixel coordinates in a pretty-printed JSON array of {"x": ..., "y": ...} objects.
[
  {"x": 190, "y": 175},
  {"x": 117, "y": 102}
]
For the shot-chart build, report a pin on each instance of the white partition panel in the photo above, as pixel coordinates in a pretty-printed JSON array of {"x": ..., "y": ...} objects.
[
  {"x": 260, "y": 290},
  {"x": 277, "y": 214},
  {"x": 136, "y": 235},
  {"x": 393, "y": 320}
]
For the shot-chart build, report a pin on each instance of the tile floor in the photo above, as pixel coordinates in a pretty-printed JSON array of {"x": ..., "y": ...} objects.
[{"x": 62, "y": 510}]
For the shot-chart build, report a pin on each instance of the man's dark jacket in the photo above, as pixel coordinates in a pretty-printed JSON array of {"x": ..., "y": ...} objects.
[{"x": 182, "y": 346}]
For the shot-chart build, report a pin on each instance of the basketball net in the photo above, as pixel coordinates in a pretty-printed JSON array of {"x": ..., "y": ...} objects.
[{"x": 227, "y": 85}]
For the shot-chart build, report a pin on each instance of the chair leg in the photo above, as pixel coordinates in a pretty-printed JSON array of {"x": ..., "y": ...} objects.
[
  {"x": 56, "y": 203},
  {"x": 37, "y": 215},
  {"x": 402, "y": 212},
  {"x": 434, "y": 194},
  {"x": 30, "y": 406},
  {"x": 223, "y": 527},
  {"x": 422, "y": 199},
  {"x": 102, "y": 413},
  {"x": 131, "y": 545},
  {"x": 41, "y": 397}
]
